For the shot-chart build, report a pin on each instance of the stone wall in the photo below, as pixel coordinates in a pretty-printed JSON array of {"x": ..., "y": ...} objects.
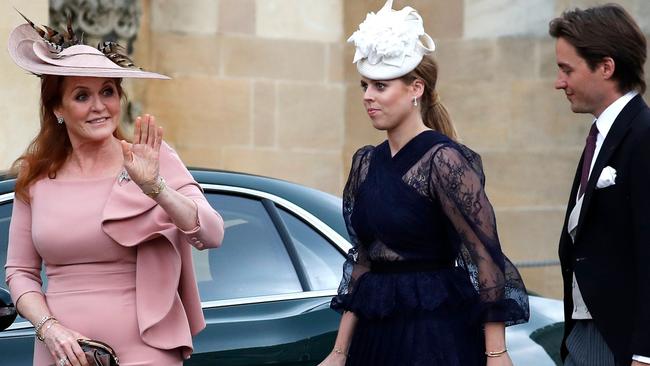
[
  {"x": 268, "y": 87},
  {"x": 19, "y": 90},
  {"x": 257, "y": 87}
]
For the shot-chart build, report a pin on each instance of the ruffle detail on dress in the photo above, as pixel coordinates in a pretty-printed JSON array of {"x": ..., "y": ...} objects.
[
  {"x": 508, "y": 311},
  {"x": 380, "y": 295},
  {"x": 167, "y": 301}
]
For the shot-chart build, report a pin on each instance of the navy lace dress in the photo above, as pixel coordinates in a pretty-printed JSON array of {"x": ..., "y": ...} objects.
[{"x": 426, "y": 268}]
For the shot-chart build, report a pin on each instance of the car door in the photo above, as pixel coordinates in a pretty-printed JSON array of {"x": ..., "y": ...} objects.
[{"x": 266, "y": 290}]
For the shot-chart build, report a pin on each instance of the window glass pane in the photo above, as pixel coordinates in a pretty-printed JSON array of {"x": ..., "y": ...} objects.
[
  {"x": 252, "y": 261},
  {"x": 323, "y": 262}
]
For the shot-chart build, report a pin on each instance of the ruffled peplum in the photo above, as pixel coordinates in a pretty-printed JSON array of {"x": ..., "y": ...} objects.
[
  {"x": 381, "y": 295},
  {"x": 168, "y": 303}
]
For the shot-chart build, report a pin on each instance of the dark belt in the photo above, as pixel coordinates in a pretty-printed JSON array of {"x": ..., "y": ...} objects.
[{"x": 409, "y": 266}]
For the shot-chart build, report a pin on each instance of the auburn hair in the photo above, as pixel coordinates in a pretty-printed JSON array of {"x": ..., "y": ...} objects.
[{"x": 48, "y": 151}]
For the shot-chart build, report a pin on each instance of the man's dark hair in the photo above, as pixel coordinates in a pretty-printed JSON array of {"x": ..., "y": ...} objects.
[{"x": 606, "y": 31}]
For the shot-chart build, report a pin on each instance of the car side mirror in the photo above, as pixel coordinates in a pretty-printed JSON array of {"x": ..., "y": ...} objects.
[{"x": 8, "y": 311}]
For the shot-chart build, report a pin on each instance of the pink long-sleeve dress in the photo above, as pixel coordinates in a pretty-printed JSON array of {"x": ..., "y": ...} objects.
[{"x": 118, "y": 269}]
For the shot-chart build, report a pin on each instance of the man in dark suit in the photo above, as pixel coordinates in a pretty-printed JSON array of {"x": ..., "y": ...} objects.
[{"x": 605, "y": 242}]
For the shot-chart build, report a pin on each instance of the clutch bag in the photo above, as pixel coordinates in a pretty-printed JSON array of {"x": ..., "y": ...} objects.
[{"x": 98, "y": 353}]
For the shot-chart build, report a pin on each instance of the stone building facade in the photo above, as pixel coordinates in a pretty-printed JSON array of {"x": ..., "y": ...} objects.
[{"x": 268, "y": 87}]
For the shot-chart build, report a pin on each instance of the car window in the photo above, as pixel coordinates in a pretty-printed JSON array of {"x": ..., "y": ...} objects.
[
  {"x": 252, "y": 260},
  {"x": 322, "y": 261}
]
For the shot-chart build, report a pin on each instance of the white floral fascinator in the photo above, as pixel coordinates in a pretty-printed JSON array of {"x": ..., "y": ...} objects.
[{"x": 388, "y": 43}]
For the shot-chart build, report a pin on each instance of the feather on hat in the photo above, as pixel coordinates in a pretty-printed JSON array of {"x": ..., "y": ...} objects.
[{"x": 48, "y": 52}]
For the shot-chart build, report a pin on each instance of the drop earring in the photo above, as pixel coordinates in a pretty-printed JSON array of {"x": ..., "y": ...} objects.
[
  {"x": 59, "y": 120},
  {"x": 415, "y": 101}
]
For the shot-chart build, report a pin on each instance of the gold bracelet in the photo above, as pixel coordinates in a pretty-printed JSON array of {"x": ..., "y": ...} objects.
[
  {"x": 39, "y": 325},
  {"x": 496, "y": 353},
  {"x": 158, "y": 187},
  {"x": 44, "y": 332},
  {"x": 338, "y": 351}
]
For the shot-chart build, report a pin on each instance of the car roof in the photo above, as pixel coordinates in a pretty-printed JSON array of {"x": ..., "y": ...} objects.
[{"x": 324, "y": 206}]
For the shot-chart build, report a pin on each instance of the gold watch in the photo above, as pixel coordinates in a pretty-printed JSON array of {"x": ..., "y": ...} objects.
[{"x": 158, "y": 187}]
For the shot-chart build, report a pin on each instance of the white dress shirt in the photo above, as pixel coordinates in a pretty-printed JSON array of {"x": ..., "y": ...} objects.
[{"x": 606, "y": 120}]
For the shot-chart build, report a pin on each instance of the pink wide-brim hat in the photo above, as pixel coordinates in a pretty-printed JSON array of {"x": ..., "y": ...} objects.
[{"x": 29, "y": 51}]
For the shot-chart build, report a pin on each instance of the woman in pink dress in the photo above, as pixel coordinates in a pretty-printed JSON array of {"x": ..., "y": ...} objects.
[{"x": 112, "y": 222}]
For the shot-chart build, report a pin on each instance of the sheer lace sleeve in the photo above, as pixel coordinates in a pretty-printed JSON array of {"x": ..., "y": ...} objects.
[
  {"x": 357, "y": 262},
  {"x": 457, "y": 181}
]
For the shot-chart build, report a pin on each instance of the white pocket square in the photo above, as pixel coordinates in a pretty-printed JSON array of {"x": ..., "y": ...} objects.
[{"x": 607, "y": 178}]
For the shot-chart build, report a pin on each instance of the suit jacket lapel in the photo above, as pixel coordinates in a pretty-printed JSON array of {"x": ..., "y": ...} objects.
[
  {"x": 615, "y": 136},
  {"x": 574, "y": 192},
  {"x": 566, "y": 244}
]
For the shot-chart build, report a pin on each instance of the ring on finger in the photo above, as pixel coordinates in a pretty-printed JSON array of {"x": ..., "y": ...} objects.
[{"x": 63, "y": 361}]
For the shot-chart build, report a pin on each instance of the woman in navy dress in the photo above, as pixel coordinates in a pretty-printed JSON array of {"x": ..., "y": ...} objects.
[{"x": 426, "y": 282}]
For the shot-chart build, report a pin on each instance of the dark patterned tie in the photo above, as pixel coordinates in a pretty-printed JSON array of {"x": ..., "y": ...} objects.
[{"x": 590, "y": 147}]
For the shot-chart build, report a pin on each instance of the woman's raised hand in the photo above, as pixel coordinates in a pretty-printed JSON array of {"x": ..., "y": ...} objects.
[
  {"x": 141, "y": 158},
  {"x": 62, "y": 344}
]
